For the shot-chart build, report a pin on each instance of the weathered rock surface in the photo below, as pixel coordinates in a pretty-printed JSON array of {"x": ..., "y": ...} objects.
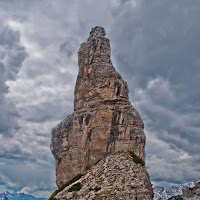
[
  {"x": 115, "y": 177},
  {"x": 103, "y": 120},
  {"x": 189, "y": 193}
]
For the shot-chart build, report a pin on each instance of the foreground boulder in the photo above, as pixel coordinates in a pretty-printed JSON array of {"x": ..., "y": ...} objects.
[
  {"x": 103, "y": 121},
  {"x": 121, "y": 175}
]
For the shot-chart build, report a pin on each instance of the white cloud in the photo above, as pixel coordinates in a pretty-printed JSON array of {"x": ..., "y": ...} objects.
[
  {"x": 5, "y": 180},
  {"x": 28, "y": 190},
  {"x": 170, "y": 151}
]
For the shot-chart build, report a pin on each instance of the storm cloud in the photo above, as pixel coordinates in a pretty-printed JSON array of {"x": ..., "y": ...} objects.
[{"x": 12, "y": 55}]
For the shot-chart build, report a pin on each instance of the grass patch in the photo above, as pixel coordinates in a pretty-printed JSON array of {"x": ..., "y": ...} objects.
[
  {"x": 96, "y": 189},
  {"x": 75, "y": 187},
  {"x": 75, "y": 178},
  {"x": 137, "y": 159}
]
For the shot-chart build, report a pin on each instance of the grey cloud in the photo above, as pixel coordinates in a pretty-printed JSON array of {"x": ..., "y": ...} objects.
[
  {"x": 9, "y": 37},
  {"x": 169, "y": 166},
  {"x": 15, "y": 151},
  {"x": 8, "y": 117},
  {"x": 171, "y": 126},
  {"x": 160, "y": 41},
  {"x": 46, "y": 114},
  {"x": 13, "y": 61},
  {"x": 12, "y": 55},
  {"x": 13, "y": 178},
  {"x": 69, "y": 47},
  {"x": 2, "y": 69}
]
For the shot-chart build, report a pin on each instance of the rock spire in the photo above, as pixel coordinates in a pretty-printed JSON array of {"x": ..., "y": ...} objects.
[
  {"x": 98, "y": 83},
  {"x": 103, "y": 121}
]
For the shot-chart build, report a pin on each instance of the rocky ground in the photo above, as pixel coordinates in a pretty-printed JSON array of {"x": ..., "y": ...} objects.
[{"x": 115, "y": 177}]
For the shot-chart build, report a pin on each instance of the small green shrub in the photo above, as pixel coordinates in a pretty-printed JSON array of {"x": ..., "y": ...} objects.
[
  {"x": 136, "y": 158},
  {"x": 178, "y": 197},
  {"x": 97, "y": 188},
  {"x": 75, "y": 178},
  {"x": 75, "y": 187}
]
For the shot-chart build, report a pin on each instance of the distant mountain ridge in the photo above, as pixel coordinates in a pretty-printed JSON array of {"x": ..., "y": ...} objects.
[
  {"x": 18, "y": 196},
  {"x": 161, "y": 194}
]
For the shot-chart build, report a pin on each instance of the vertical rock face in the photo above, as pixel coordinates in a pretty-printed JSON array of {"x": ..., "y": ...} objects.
[
  {"x": 103, "y": 120},
  {"x": 98, "y": 83}
]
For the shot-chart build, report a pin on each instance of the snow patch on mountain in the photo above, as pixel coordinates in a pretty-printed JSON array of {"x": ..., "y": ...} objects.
[
  {"x": 163, "y": 194},
  {"x": 18, "y": 196}
]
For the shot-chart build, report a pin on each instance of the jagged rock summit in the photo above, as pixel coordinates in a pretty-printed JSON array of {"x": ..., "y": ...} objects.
[
  {"x": 174, "y": 192},
  {"x": 103, "y": 121},
  {"x": 98, "y": 84},
  {"x": 189, "y": 193}
]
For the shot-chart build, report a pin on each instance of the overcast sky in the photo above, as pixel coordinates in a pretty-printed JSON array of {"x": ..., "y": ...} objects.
[{"x": 155, "y": 47}]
